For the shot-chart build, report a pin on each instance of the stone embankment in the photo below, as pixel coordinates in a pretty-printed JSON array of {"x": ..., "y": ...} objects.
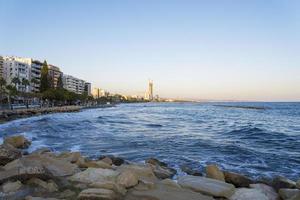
[
  {"x": 8, "y": 115},
  {"x": 45, "y": 175}
]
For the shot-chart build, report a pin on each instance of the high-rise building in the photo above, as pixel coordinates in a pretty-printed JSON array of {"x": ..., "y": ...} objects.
[
  {"x": 149, "y": 94},
  {"x": 54, "y": 74},
  {"x": 88, "y": 88},
  {"x": 98, "y": 92},
  {"x": 36, "y": 67},
  {"x": 74, "y": 84},
  {"x": 1, "y": 67},
  {"x": 16, "y": 67}
]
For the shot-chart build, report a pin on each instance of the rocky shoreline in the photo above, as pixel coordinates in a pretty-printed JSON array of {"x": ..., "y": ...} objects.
[
  {"x": 9, "y": 115},
  {"x": 45, "y": 175}
]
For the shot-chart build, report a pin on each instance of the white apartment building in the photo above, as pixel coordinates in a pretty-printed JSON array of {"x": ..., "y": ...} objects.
[
  {"x": 74, "y": 84},
  {"x": 36, "y": 67},
  {"x": 17, "y": 67},
  {"x": 1, "y": 67}
]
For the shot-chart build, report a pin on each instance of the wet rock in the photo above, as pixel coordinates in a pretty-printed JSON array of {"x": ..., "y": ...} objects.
[
  {"x": 18, "y": 141},
  {"x": 56, "y": 167},
  {"x": 160, "y": 169},
  {"x": 107, "y": 160},
  {"x": 91, "y": 175},
  {"x": 170, "y": 183},
  {"x": 8, "y": 153},
  {"x": 286, "y": 194},
  {"x": 282, "y": 182},
  {"x": 110, "y": 185},
  {"x": 267, "y": 190},
  {"x": 98, "y": 194},
  {"x": 212, "y": 171},
  {"x": 190, "y": 171},
  {"x": 49, "y": 186},
  {"x": 127, "y": 179},
  {"x": 41, "y": 151},
  {"x": 115, "y": 160},
  {"x": 207, "y": 186},
  {"x": 165, "y": 192},
  {"x": 141, "y": 171},
  {"x": 11, "y": 186},
  {"x": 248, "y": 194},
  {"x": 237, "y": 179}
]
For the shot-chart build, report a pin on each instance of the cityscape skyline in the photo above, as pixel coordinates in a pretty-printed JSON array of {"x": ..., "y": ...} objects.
[{"x": 195, "y": 50}]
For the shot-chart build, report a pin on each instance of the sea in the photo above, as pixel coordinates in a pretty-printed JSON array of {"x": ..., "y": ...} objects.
[{"x": 252, "y": 138}]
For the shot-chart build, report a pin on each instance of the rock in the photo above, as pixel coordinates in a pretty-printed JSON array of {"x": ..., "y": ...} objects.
[
  {"x": 248, "y": 194},
  {"x": 160, "y": 169},
  {"x": 282, "y": 182},
  {"x": 97, "y": 164},
  {"x": 71, "y": 157},
  {"x": 141, "y": 171},
  {"x": 296, "y": 197},
  {"x": 298, "y": 184},
  {"x": 50, "y": 186},
  {"x": 144, "y": 185},
  {"x": 67, "y": 194},
  {"x": 56, "y": 167},
  {"x": 91, "y": 175},
  {"x": 115, "y": 160},
  {"x": 127, "y": 179},
  {"x": 154, "y": 161},
  {"x": 190, "y": 171},
  {"x": 107, "y": 160},
  {"x": 165, "y": 192},
  {"x": 212, "y": 171},
  {"x": 170, "y": 183},
  {"x": 39, "y": 198},
  {"x": 110, "y": 185},
  {"x": 267, "y": 190},
  {"x": 18, "y": 141},
  {"x": 8, "y": 153},
  {"x": 237, "y": 179},
  {"x": 207, "y": 186},
  {"x": 24, "y": 172},
  {"x": 11, "y": 186},
  {"x": 98, "y": 193},
  {"x": 286, "y": 194},
  {"x": 41, "y": 151}
]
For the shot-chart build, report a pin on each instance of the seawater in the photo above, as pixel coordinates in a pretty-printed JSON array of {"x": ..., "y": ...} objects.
[{"x": 255, "y": 142}]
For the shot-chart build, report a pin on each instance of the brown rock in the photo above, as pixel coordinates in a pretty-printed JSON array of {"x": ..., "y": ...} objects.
[
  {"x": 127, "y": 179},
  {"x": 11, "y": 186},
  {"x": 212, "y": 171},
  {"x": 286, "y": 194},
  {"x": 110, "y": 185},
  {"x": 282, "y": 182},
  {"x": 142, "y": 172},
  {"x": 107, "y": 160},
  {"x": 115, "y": 160},
  {"x": 154, "y": 161},
  {"x": 18, "y": 141},
  {"x": 50, "y": 186},
  {"x": 237, "y": 179},
  {"x": 190, "y": 171},
  {"x": 8, "y": 153},
  {"x": 160, "y": 169},
  {"x": 98, "y": 194}
]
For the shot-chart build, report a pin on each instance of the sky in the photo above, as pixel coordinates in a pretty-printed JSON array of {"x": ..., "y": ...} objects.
[{"x": 191, "y": 49}]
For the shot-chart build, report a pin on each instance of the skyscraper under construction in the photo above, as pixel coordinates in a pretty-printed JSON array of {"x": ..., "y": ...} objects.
[{"x": 149, "y": 93}]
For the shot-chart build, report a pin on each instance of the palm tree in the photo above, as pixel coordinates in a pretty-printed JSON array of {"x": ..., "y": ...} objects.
[
  {"x": 2, "y": 87},
  {"x": 16, "y": 81},
  {"x": 11, "y": 91},
  {"x": 25, "y": 82}
]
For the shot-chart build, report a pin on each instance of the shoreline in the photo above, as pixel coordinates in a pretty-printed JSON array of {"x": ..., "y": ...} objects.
[
  {"x": 10, "y": 115},
  {"x": 69, "y": 175}
]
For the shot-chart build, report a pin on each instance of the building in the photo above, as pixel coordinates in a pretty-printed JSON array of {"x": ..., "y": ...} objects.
[
  {"x": 36, "y": 67},
  {"x": 98, "y": 92},
  {"x": 149, "y": 94},
  {"x": 16, "y": 67},
  {"x": 74, "y": 84},
  {"x": 54, "y": 74},
  {"x": 1, "y": 67},
  {"x": 88, "y": 88}
]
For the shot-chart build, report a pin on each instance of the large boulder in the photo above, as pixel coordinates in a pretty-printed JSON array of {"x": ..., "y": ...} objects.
[
  {"x": 237, "y": 179},
  {"x": 11, "y": 186},
  {"x": 92, "y": 175},
  {"x": 190, "y": 171},
  {"x": 127, "y": 179},
  {"x": 207, "y": 186},
  {"x": 160, "y": 169},
  {"x": 212, "y": 171},
  {"x": 141, "y": 171},
  {"x": 282, "y": 182},
  {"x": 267, "y": 190},
  {"x": 18, "y": 141},
  {"x": 286, "y": 194},
  {"x": 165, "y": 192},
  {"x": 98, "y": 194},
  {"x": 56, "y": 167},
  {"x": 110, "y": 185},
  {"x": 114, "y": 160},
  {"x": 298, "y": 184},
  {"x": 8, "y": 153},
  {"x": 49, "y": 186},
  {"x": 248, "y": 194}
]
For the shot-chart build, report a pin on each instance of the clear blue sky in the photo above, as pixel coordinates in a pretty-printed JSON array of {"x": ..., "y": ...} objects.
[{"x": 214, "y": 49}]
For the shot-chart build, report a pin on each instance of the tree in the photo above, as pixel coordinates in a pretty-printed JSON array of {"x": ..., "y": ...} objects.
[
  {"x": 11, "y": 91},
  {"x": 60, "y": 83},
  {"x": 16, "y": 81},
  {"x": 2, "y": 87},
  {"x": 25, "y": 82},
  {"x": 45, "y": 82}
]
